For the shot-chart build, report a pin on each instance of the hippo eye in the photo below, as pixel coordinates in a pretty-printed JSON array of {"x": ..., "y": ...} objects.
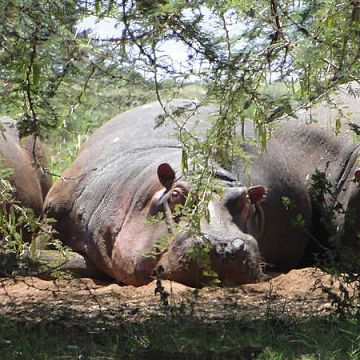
[
  {"x": 176, "y": 200},
  {"x": 176, "y": 197}
]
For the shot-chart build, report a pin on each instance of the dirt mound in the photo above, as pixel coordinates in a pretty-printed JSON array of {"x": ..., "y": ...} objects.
[{"x": 295, "y": 292}]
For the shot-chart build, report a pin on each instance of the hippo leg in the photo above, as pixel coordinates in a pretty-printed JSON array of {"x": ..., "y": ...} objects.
[{"x": 79, "y": 265}]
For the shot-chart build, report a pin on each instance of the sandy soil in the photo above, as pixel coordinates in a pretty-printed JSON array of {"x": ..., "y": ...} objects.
[{"x": 297, "y": 292}]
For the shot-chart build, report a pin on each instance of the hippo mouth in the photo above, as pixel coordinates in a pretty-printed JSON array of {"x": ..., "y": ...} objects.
[
  {"x": 201, "y": 259},
  {"x": 224, "y": 248}
]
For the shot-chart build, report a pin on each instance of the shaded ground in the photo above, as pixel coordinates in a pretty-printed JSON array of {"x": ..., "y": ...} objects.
[
  {"x": 283, "y": 318},
  {"x": 296, "y": 292}
]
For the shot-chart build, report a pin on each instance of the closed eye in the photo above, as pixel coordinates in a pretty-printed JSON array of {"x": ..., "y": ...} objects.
[{"x": 177, "y": 197}]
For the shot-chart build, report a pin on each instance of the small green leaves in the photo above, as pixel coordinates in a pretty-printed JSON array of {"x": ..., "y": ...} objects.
[
  {"x": 298, "y": 221},
  {"x": 36, "y": 70},
  {"x": 287, "y": 203},
  {"x": 160, "y": 246},
  {"x": 354, "y": 127},
  {"x": 184, "y": 161},
  {"x": 98, "y": 4},
  {"x": 18, "y": 225},
  {"x": 159, "y": 120},
  {"x": 338, "y": 125}
]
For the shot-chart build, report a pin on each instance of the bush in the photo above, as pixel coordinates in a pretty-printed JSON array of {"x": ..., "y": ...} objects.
[{"x": 20, "y": 231}]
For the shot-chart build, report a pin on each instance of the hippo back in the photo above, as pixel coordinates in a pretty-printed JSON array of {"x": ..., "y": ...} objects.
[
  {"x": 35, "y": 150},
  {"x": 320, "y": 138},
  {"x": 25, "y": 175},
  {"x": 113, "y": 173}
]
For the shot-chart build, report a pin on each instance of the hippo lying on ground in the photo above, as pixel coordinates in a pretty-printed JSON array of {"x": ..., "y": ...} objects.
[
  {"x": 29, "y": 180},
  {"x": 302, "y": 146},
  {"x": 129, "y": 171}
]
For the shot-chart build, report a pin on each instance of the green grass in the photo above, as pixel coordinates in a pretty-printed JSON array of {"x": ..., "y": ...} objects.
[
  {"x": 192, "y": 91},
  {"x": 71, "y": 336}
]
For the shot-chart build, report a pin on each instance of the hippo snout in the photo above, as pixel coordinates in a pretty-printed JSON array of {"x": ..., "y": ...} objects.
[
  {"x": 238, "y": 246},
  {"x": 237, "y": 261},
  {"x": 230, "y": 248}
]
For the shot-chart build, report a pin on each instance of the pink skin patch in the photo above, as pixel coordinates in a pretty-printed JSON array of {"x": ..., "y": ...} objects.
[
  {"x": 166, "y": 175},
  {"x": 357, "y": 175},
  {"x": 258, "y": 193}
]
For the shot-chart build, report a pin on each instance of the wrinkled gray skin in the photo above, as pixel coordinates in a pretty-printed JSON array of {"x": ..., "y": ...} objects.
[
  {"x": 102, "y": 207},
  {"x": 30, "y": 182},
  {"x": 298, "y": 148},
  {"x": 337, "y": 156},
  {"x": 123, "y": 177}
]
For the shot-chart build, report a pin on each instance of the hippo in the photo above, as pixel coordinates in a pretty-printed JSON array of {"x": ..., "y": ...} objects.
[
  {"x": 118, "y": 201},
  {"x": 320, "y": 138},
  {"x": 30, "y": 182},
  {"x": 130, "y": 170}
]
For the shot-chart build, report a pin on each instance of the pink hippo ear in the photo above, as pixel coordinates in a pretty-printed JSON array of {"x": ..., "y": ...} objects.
[
  {"x": 252, "y": 195},
  {"x": 357, "y": 175},
  {"x": 256, "y": 193},
  {"x": 166, "y": 175}
]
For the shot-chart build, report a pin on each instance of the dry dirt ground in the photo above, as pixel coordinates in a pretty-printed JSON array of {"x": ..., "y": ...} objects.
[{"x": 297, "y": 292}]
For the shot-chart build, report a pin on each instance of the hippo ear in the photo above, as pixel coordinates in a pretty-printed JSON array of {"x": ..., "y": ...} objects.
[
  {"x": 256, "y": 193},
  {"x": 357, "y": 175},
  {"x": 166, "y": 175}
]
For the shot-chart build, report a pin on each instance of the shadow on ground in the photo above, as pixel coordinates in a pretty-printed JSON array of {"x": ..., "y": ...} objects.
[{"x": 287, "y": 317}]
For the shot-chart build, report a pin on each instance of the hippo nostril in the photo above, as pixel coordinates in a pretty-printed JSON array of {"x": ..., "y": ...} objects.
[
  {"x": 234, "y": 247},
  {"x": 238, "y": 245}
]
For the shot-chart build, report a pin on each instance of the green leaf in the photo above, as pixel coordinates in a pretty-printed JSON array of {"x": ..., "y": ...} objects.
[
  {"x": 338, "y": 125},
  {"x": 168, "y": 8},
  {"x": 97, "y": 7},
  {"x": 36, "y": 71},
  {"x": 110, "y": 7},
  {"x": 184, "y": 161}
]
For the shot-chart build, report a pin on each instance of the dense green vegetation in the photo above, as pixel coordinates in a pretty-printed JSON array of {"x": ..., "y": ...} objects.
[{"x": 55, "y": 82}]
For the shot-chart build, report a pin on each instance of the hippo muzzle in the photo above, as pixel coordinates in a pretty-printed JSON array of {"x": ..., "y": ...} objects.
[{"x": 223, "y": 247}]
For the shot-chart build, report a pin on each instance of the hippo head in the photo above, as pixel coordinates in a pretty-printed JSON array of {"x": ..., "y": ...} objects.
[{"x": 226, "y": 244}]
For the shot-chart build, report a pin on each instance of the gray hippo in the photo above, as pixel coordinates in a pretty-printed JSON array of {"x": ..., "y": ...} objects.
[
  {"x": 127, "y": 174},
  {"x": 129, "y": 171},
  {"x": 318, "y": 139},
  {"x": 31, "y": 183}
]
